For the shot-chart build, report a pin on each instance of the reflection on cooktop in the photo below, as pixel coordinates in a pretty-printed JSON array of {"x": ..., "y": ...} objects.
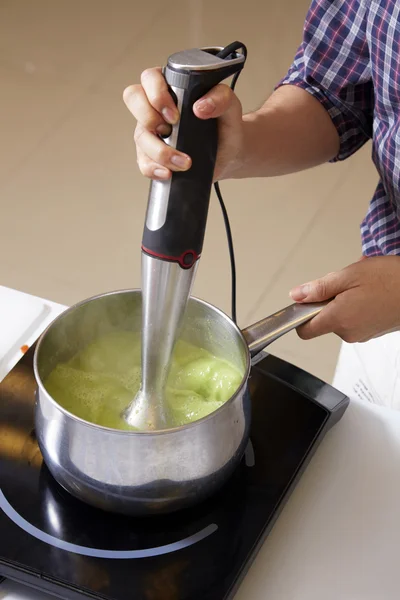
[{"x": 57, "y": 520}]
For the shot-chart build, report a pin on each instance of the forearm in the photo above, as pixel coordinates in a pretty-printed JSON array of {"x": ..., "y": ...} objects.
[{"x": 291, "y": 132}]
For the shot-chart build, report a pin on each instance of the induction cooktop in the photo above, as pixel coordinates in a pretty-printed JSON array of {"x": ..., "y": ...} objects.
[{"x": 53, "y": 542}]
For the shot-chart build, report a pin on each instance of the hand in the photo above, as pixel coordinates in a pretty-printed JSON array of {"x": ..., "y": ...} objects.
[
  {"x": 155, "y": 111},
  {"x": 366, "y": 300}
]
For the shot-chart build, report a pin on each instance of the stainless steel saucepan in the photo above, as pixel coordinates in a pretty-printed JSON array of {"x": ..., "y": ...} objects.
[{"x": 153, "y": 472}]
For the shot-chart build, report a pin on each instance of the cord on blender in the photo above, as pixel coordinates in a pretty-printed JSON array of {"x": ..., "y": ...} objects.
[{"x": 224, "y": 54}]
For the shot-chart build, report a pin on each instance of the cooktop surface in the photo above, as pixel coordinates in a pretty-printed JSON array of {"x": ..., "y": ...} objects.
[{"x": 51, "y": 541}]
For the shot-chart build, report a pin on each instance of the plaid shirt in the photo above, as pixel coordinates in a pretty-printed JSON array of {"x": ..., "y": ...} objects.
[{"x": 350, "y": 61}]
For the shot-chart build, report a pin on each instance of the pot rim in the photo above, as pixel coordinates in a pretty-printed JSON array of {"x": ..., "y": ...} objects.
[{"x": 41, "y": 387}]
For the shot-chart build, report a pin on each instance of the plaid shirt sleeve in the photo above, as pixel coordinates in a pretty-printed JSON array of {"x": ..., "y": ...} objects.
[{"x": 332, "y": 64}]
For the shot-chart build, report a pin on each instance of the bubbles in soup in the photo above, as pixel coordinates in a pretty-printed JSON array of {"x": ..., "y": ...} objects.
[{"x": 99, "y": 382}]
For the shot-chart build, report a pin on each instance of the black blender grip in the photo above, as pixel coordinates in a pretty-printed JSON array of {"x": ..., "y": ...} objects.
[{"x": 180, "y": 238}]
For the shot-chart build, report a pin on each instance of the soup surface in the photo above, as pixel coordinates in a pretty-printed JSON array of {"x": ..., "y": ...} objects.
[{"x": 99, "y": 382}]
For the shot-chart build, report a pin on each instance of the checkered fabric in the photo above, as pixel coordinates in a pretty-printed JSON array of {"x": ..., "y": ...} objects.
[{"x": 349, "y": 60}]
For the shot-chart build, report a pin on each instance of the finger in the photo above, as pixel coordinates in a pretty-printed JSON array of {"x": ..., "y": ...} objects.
[
  {"x": 159, "y": 152},
  {"x": 151, "y": 169},
  {"x": 322, "y": 289},
  {"x": 138, "y": 104},
  {"x": 215, "y": 103},
  {"x": 156, "y": 90},
  {"x": 322, "y": 324}
]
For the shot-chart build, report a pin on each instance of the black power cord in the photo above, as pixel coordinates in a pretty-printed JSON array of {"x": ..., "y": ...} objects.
[
  {"x": 231, "y": 49},
  {"x": 231, "y": 251}
]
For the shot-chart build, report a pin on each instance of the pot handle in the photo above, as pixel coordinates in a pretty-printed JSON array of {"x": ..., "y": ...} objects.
[{"x": 266, "y": 331}]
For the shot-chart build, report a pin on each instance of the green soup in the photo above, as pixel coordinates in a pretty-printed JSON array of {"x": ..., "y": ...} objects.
[{"x": 101, "y": 380}]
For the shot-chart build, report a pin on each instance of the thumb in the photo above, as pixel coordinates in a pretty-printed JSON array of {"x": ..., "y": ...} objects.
[
  {"x": 219, "y": 101},
  {"x": 321, "y": 289}
]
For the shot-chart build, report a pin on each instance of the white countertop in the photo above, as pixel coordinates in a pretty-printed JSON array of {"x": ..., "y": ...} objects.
[{"x": 338, "y": 538}]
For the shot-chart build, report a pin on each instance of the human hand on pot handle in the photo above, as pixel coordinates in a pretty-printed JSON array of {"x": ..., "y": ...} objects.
[{"x": 366, "y": 300}]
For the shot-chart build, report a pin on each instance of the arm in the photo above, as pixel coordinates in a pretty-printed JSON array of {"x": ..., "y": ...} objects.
[
  {"x": 321, "y": 111},
  {"x": 333, "y": 119},
  {"x": 298, "y": 131}
]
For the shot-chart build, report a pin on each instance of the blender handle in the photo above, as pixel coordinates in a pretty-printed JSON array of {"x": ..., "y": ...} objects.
[
  {"x": 266, "y": 331},
  {"x": 177, "y": 209}
]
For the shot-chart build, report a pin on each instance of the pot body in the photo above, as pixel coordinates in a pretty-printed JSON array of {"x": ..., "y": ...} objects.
[{"x": 140, "y": 473}]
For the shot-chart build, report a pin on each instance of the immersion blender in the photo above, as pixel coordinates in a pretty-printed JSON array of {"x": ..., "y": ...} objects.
[{"x": 175, "y": 225}]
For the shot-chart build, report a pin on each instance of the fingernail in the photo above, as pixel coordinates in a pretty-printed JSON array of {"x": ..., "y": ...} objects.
[
  {"x": 180, "y": 161},
  {"x": 171, "y": 116},
  {"x": 205, "y": 106},
  {"x": 300, "y": 293},
  {"x": 161, "y": 173},
  {"x": 164, "y": 130}
]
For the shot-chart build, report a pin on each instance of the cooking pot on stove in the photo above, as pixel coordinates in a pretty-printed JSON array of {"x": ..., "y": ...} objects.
[{"x": 149, "y": 472}]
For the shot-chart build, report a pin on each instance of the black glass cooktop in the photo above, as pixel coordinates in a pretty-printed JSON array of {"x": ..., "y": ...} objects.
[{"x": 53, "y": 542}]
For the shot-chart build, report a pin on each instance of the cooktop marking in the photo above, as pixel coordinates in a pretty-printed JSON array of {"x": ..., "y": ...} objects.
[{"x": 97, "y": 552}]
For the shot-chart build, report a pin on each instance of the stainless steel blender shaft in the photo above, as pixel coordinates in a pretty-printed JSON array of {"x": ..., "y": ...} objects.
[{"x": 166, "y": 289}]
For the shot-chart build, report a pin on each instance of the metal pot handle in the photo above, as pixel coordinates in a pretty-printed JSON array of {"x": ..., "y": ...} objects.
[{"x": 266, "y": 331}]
